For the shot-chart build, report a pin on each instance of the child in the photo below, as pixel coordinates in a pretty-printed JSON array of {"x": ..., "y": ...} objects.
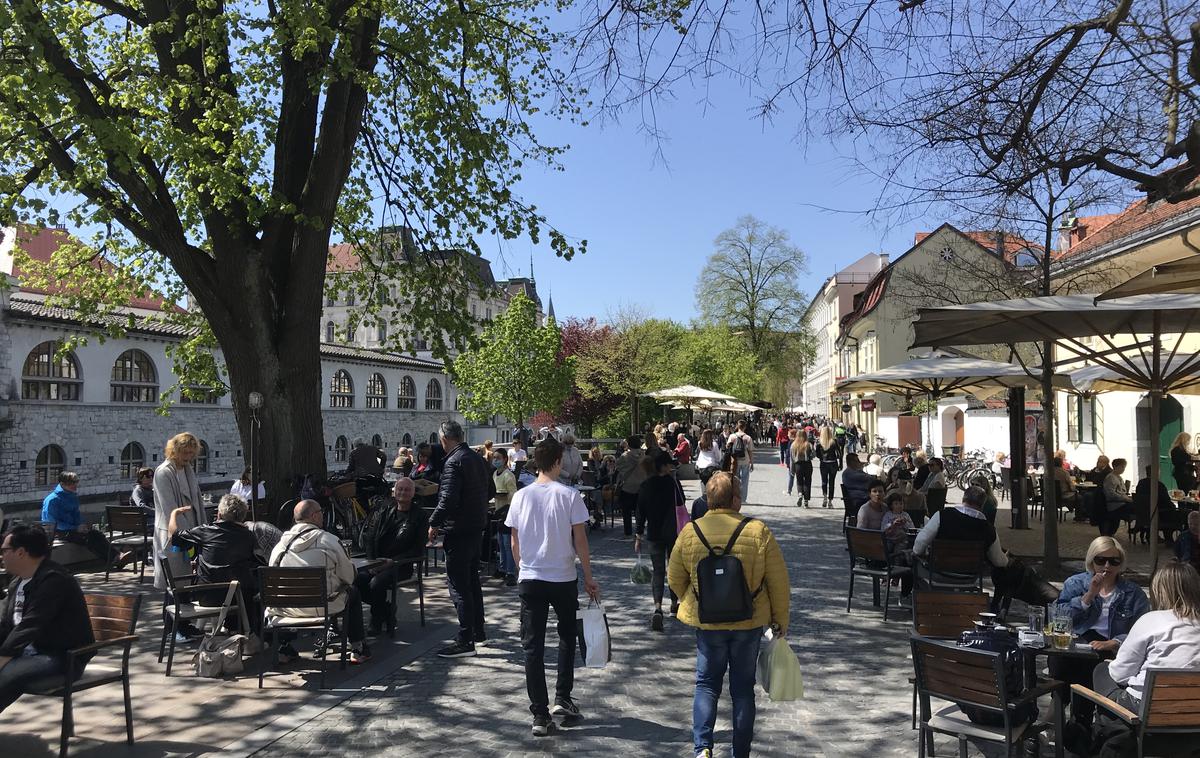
[{"x": 895, "y": 522}]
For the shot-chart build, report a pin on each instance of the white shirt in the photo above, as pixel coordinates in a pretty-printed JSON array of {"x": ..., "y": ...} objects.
[
  {"x": 1101, "y": 626},
  {"x": 515, "y": 455},
  {"x": 19, "y": 612},
  {"x": 243, "y": 490},
  {"x": 543, "y": 516},
  {"x": 1158, "y": 640},
  {"x": 710, "y": 457},
  {"x": 873, "y": 469}
]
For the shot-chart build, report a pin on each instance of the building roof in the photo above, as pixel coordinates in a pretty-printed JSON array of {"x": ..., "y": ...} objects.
[
  {"x": 994, "y": 241},
  {"x": 521, "y": 285},
  {"x": 1143, "y": 216},
  {"x": 126, "y": 318},
  {"x": 40, "y": 243},
  {"x": 368, "y": 355},
  {"x": 344, "y": 256}
]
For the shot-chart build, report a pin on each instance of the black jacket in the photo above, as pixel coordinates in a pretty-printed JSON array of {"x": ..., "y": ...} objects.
[
  {"x": 466, "y": 487},
  {"x": 401, "y": 534},
  {"x": 55, "y": 618},
  {"x": 226, "y": 552},
  {"x": 656, "y": 501}
]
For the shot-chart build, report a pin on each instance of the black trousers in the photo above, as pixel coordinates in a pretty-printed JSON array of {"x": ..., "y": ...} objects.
[
  {"x": 628, "y": 501},
  {"x": 93, "y": 539},
  {"x": 462, "y": 576},
  {"x": 537, "y": 597},
  {"x": 1077, "y": 671},
  {"x": 374, "y": 589},
  {"x": 828, "y": 478},
  {"x": 804, "y": 477},
  {"x": 1111, "y": 520}
]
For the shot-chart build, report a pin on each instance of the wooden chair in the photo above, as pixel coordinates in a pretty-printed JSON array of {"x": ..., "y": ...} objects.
[
  {"x": 285, "y": 517},
  {"x": 183, "y": 601},
  {"x": 113, "y": 618},
  {"x": 129, "y": 530},
  {"x": 974, "y": 678},
  {"x": 954, "y": 565},
  {"x": 1169, "y": 711},
  {"x": 943, "y": 615},
  {"x": 281, "y": 587},
  {"x": 869, "y": 557}
]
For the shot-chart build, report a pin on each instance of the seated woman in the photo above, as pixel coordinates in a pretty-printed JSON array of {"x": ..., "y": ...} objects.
[
  {"x": 1165, "y": 638},
  {"x": 936, "y": 478},
  {"x": 870, "y": 515},
  {"x": 1103, "y": 607},
  {"x": 990, "y": 506},
  {"x": 1099, "y": 472}
]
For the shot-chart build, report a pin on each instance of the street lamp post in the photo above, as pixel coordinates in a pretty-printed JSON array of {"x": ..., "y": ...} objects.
[{"x": 255, "y": 401}]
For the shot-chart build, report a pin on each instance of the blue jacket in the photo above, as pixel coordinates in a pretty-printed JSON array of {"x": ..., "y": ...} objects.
[
  {"x": 62, "y": 507},
  {"x": 1128, "y": 605}
]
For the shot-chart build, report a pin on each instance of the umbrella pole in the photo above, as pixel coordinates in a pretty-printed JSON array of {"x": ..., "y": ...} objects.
[{"x": 1155, "y": 444}]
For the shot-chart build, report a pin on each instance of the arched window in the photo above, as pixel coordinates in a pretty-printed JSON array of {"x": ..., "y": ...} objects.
[
  {"x": 376, "y": 392},
  {"x": 201, "y": 462},
  {"x": 49, "y": 464},
  {"x": 377, "y": 441},
  {"x": 341, "y": 390},
  {"x": 133, "y": 457},
  {"x": 433, "y": 439},
  {"x": 330, "y": 334},
  {"x": 406, "y": 440},
  {"x": 406, "y": 394},
  {"x": 341, "y": 450},
  {"x": 47, "y": 376},
  {"x": 134, "y": 379},
  {"x": 433, "y": 395}
]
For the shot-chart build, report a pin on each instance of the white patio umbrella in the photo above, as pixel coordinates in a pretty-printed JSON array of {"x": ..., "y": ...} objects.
[
  {"x": 1131, "y": 332},
  {"x": 940, "y": 376},
  {"x": 1177, "y": 276},
  {"x": 688, "y": 393}
]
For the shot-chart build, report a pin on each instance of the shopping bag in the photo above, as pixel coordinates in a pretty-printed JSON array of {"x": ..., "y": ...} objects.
[
  {"x": 594, "y": 643},
  {"x": 778, "y": 669},
  {"x": 682, "y": 517},
  {"x": 641, "y": 571},
  {"x": 219, "y": 656}
]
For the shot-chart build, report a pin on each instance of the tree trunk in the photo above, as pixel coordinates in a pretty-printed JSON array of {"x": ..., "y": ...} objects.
[{"x": 1049, "y": 497}]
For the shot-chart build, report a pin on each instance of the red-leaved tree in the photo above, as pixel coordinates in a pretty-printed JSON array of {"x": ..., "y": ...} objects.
[{"x": 580, "y": 337}]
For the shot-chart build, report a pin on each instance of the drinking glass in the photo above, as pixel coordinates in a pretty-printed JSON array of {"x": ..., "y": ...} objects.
[
  {"x": 1061, "y": 636},
  {"x": 1037, "y": 618}
]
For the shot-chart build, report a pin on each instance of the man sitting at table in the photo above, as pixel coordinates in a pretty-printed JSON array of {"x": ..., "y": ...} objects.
[
  {"x": 307, "y": 545},
  {"x": 1117, "y": 502},
  {"x": 224, "y": 549},
  {"x": 1066, "y": 486},
  {"x": 399, "y": 539},
  {"x": 856, "y": 481},
  {"x": 44, "y": 616},
  {"x": 1169, "y": 520},
  {"x": 1187, "y": 547}
]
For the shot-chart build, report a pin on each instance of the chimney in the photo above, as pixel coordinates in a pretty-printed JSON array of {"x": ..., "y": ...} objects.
[
  {"x": 884, "y": 258},
  {"x": 1000, "y": 245}
]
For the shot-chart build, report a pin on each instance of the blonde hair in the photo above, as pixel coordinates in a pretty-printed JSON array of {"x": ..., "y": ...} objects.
[
  {"x": 1176, "y": 588},
  {"x": 920, "y": 457},
  {"x": 800, "y": 445},
  {"x": 826, "y": 437},
  {"x": 1102, "y": 545},
  {"x": 1183, "y": 439},
  {"x": 180, "y": 443},
  {"x": 721, "y": 489}
]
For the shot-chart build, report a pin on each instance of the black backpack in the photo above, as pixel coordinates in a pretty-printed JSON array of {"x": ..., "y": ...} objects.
[
  {"x": 721, "y": 590},
  {"x": 737, "y": 447}
]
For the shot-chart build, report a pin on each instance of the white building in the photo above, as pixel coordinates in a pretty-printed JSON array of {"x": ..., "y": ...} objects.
[
  {"x": 93, "y": 410},
  {"x": 832, "y": 301}
]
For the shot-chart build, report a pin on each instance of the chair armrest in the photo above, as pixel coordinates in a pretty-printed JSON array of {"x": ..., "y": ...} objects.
[
  {"x": 1043, "y": 687},
  {"x": 181, "y": 592},
  {"x": 1118, "y": 710},
  {"x": 125, "y": 641}
]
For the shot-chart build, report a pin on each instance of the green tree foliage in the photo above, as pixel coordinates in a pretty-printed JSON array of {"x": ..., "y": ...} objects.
[
  {"x": 714, "y": 358},
  {"x": 217, "y": 146},
  {"x": 516, "y": 369}
]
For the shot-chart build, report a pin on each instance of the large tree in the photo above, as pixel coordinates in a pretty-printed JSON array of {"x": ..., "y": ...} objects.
[
  {"x": 216, "y": 146},
  {"x": 516, "y": 369},
  {"x": 584, "y": 408}
]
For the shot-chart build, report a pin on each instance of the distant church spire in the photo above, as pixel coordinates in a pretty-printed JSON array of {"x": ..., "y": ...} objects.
[
  {"x": 550, "y": 307},
  {"x": 531, "y": 266}
]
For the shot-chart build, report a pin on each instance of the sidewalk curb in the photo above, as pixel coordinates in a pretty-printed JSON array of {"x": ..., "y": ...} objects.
[{"x": 267, "y": 734}]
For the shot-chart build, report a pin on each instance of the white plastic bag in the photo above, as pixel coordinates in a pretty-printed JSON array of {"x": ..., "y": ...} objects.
[
  {"x": 778, "y": 669},
  {"x": 595, "y": 645},
  {"x": 642, "y": 570}
]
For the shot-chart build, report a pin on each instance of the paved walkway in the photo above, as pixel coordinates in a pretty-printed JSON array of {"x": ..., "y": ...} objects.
[{"x": 640, "y": 705}]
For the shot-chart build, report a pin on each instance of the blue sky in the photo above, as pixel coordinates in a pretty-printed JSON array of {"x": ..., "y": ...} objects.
[{"x": 651, "y": 210}]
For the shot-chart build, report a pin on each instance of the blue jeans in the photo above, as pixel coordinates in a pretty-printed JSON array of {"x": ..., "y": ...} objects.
[
  {"x": 507, "y": 564},
  {"x": 24, "y": 670},
  {"x": 716, "y": 651},
  {"x": 744, "y": 475}
]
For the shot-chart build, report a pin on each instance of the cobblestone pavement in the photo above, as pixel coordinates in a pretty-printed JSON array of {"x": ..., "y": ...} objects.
[{"x": 856, "y": 671}]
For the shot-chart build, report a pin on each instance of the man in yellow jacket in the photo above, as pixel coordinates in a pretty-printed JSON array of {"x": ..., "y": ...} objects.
[{"x": 730, "y": 645}]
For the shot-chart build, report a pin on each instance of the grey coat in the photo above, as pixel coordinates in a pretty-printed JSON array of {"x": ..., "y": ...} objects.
[{"x": 168, "y": 495}]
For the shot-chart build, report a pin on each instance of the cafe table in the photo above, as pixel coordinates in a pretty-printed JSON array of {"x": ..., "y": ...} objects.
[{"x": 1029, "y": 657}]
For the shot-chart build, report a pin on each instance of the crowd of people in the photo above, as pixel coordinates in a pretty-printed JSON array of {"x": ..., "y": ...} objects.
[{"x": 526, "y": 503}]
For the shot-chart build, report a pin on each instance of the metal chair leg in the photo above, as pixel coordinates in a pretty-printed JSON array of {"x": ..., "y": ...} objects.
[
  {"x": 421, "y": 592},
  {"x": 962, "y": 746},
  {"x": 68, "y": 725},
  {"x": 887, "y": 597},
  {"x": 850, "y": 594},
  {"x": 171, "y": 649},
  {"x": 128, "y": 708}
]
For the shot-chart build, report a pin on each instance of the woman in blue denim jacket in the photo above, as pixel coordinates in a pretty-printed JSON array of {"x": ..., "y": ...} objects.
[{"x": 1103, "y": 607}]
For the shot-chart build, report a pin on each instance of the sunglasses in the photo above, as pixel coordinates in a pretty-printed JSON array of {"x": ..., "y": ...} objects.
[{"x": 1104, "y": 560}]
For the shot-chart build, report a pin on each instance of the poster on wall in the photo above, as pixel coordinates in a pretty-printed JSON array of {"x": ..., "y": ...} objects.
[{"x": 1035, "y": 438}]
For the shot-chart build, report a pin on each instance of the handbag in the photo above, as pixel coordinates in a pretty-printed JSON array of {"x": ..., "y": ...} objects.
[
  {"x": 595, "y": 643},
  {"x": 220, "y": 656}
]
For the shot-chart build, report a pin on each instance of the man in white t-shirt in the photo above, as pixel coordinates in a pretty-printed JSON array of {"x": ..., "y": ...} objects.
[{"x": 549, "y": 531}]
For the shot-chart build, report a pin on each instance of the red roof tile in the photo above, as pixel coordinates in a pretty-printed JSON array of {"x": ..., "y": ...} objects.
[{"x": 1139, "y": 216}]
